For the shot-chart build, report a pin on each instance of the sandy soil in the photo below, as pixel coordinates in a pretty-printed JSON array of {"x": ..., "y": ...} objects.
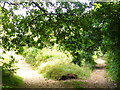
[{"x": 98, "y": 79}]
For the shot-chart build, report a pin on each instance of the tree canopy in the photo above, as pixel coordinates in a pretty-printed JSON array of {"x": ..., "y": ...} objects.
[{"x": 68, "y": 24}]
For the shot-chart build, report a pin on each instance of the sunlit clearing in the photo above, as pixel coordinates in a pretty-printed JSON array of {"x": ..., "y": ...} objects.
[
  {"x": 26, "y": 73},
  {"x": 100, "y": 61}
]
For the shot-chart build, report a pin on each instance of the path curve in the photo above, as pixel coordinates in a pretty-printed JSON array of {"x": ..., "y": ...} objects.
[
  {"x": 99, "y": 77},
  {"x": 34, "y": 80}
]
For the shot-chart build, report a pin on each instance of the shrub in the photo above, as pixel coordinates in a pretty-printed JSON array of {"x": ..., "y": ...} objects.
[
  {"x": 7, "y": 62},
  {"x": 112, "y": 65},
  {"x": 39, "y": 56},
  {"x": 46, "y": 54},
  {"x": 26, "y": 50},
  {"x": 30, "y": 55},
  {"x": 53, "y": 63},
  {"x": 54, "y": 70}
]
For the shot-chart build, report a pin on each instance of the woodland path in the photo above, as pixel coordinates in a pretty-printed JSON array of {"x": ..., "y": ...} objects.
[
  {"x": 34, "y": 80},
  {"x": 97, "y": 79},
  {"x": 30, "y": 77}
]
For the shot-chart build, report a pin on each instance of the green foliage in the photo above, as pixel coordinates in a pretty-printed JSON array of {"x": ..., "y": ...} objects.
[
  {"x": 44, "y": 55},
  {"x": 13, "y": 81},
  {"x": 25, "y": 51},
  {"x": 53, "y": 54},
  {"x": 31, "y": 53},
  {"x": 71, "y": 28},
  {"x": 59, "y": 68},
  {"x": 74, "y": 29},
  {"x": 7, "y": 63},
  {"x": 9, "y": 78},
  {"x": 52, "y": 63},
  {"x": 112, "y": 65},
  {"x": 108, "y": 14}
]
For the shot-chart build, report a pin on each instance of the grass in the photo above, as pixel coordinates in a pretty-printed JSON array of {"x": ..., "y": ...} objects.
[
  {"x": 75, "y": 84},
  {"x": 112, "y": 67},
  {"x": 55, "y": 70},
  {"x": 9, "y": 77},
  {"x": 53, "y": 63},
  {"x": 12, "y": 81}
]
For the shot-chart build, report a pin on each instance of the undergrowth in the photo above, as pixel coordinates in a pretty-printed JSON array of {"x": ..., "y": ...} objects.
[
  {"x": 9, "y": 77},
  {"x": 56, "y": 69},
  {"x": 112, "y": 66},
  {"x": 53, "y": 63},
  {"x": 12, "y": 81}
]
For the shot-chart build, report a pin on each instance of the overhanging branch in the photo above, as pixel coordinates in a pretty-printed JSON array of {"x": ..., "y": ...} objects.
[{"x": 36, "y": 4}]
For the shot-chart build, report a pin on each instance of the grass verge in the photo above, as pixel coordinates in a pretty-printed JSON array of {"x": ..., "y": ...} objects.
[{"x": 12, "y": 81}]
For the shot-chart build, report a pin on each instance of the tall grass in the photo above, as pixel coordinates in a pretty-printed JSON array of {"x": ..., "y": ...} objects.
[
  {"x": 54, "y": 70},
  {"x": 53, "y": 63}
]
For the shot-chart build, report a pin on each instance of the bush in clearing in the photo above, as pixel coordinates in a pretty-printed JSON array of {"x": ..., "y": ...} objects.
[
  {"x": 36, "y": 56},
  {"x": 56, "y": 69},
  {"x": 53, "y": 63}
]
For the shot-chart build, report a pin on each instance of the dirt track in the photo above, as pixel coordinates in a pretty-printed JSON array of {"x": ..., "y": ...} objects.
[
  {"x": 97, "y": 79},
  {"x": 34, "y": 80}
]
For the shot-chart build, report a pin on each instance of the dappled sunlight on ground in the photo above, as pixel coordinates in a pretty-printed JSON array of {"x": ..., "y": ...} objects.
[
  {"x": 25, "y": 70},
  {"x": 30, "y": 77},
  {"x": 97, "y": 79}
]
